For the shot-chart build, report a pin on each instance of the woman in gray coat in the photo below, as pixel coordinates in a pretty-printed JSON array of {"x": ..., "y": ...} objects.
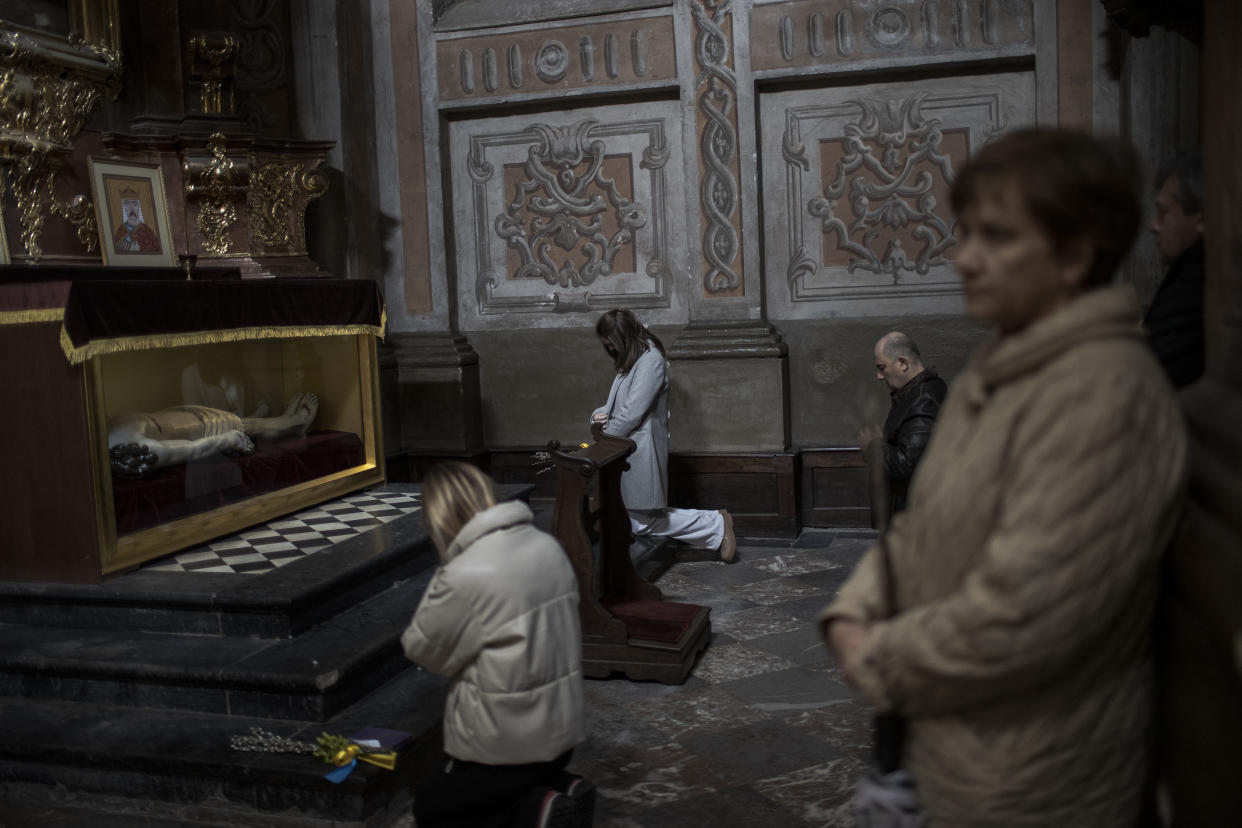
[{"x": 637, "y": 408}]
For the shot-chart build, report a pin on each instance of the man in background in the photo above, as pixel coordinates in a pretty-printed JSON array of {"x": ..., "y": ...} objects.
[
  {"x": 917, "y": 392},
  {"x": 1174, "y": 321}
]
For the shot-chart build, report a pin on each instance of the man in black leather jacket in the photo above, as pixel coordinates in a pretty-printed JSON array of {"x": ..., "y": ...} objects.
[
  {"x": 917, "y": 392},
  {"x": 1175, "y": 319}
]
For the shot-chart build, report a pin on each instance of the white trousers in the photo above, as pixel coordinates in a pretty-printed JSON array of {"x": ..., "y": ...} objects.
[{"x": 699, "y": 528}]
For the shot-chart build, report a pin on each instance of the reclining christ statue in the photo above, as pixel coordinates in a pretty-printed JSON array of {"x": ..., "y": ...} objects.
[{"x": 142, "y": 442}]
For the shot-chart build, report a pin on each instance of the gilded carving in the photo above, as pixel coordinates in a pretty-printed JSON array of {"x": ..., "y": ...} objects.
[
  {"x": 567, "y": 200},
  {"x": 32, "y": 179},
  {"x": 276, "y": 201},
  {"x": 216, "y": 191},
  {"x": 273, "y": 187},
  {"x": 44, "y": 102},
  {"x": 48, "y": 88},
  {"x": 717, "y": 96},
  {"x": 212, "y": 68},
  {"x": 27, "y": 184},
  {"x": 313, "y": 183},
  {"x": 79, "y": 212}
]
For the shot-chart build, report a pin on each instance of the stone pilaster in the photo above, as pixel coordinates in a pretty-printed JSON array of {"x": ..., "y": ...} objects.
[
  {"x": 729, "y": 369},
  {"x": 437, "y": 376},
  {"x": 729, "y": 389}
]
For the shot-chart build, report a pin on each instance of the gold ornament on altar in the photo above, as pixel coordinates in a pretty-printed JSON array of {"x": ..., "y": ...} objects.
[
  {"x": 49, "y": 85},
  {"x": 216, "y": 189},
  {"x": 213, "y": 69}
]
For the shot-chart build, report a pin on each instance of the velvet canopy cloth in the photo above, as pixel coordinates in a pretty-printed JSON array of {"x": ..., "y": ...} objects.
[
  {"x": 30, "y": 293},
  {"x": 103, "y": 317}
]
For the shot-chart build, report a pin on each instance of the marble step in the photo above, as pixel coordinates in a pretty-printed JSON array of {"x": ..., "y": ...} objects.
[
  {"x": 279, "y": 603},
  {"x": 309, "y": 677},
  {"x": 184, "y": 759}
]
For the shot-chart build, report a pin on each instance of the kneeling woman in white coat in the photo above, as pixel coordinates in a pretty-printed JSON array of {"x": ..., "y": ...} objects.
[
  {"x": 500, "y": 617},
  {"x": 637, "y": 408}
]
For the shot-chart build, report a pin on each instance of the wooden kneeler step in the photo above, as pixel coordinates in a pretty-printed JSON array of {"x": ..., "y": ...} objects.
[{"x": 627, "y": 627}]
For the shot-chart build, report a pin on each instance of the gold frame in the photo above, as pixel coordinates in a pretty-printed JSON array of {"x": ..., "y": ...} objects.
[
  {"x": 117, "y": 554},
  {"x": 4, "y": 239},
  {"x": 103, "y": 171}
]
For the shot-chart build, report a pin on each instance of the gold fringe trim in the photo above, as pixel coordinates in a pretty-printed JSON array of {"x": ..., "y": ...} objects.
[
  {"x": 99, "y": 347},
  {"x": 26, "y": 317},
  {"x": 383, "y": 331}
]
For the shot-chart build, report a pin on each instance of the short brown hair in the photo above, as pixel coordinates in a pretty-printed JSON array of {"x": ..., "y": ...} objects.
[
  {"x": 1074, "y": 185},
  {"x": 453, "y": 493}
]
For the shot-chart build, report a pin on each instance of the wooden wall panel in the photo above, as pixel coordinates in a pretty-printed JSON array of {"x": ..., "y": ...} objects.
[{"x": 834, "y": 488}]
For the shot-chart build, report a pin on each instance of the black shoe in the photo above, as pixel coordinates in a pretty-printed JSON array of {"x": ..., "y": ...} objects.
[{"x": 582, "y": 793}]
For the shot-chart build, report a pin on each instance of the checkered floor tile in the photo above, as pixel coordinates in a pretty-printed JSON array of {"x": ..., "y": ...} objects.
[{"x": 264, "y": 548}]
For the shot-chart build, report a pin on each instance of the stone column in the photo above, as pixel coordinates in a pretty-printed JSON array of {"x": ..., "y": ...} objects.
[
  {"x": 437, "y": 373},
  {"x": 727, "y": 346}
]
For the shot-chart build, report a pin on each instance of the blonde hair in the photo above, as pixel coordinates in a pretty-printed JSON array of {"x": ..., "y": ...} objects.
[{"x": 453, "y": 492}]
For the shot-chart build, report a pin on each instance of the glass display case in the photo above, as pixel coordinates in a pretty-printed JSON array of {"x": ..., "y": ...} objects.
[
  {"x": 158, "y": 415},
  {"x": 200, "y": 438}
]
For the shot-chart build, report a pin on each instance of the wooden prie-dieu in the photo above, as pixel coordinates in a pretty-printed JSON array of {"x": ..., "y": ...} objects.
[{"x": 627, "y": 627}]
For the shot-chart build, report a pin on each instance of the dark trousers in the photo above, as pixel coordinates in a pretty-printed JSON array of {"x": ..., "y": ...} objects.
[{"x": 470, "y": 795}]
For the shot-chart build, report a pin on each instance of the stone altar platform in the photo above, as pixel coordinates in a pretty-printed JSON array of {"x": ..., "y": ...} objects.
[{"x": 133, "y": 687}]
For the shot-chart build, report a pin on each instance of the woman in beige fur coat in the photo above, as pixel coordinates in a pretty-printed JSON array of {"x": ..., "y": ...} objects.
[{"x": 1026, "y": 566}]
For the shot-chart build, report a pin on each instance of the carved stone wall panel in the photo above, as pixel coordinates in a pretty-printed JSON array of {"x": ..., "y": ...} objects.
[
  {"x": 856, "y": 183},
  {"x": 810, "y": 33},
  {"x": 716, "y": 92},
  {"x": 568, "y": 213},
  {"x": 557, "y": 58}
]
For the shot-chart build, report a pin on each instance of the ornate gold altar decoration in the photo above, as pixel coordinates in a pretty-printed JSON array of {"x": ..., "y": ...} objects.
[
  {"x": 49, "y": 86},
  {"x": 79, "y": 212},
  {"x": 277, "y": 199},
  {"x": 216, "y": 190},
  {"x": 213, "y": 67}
]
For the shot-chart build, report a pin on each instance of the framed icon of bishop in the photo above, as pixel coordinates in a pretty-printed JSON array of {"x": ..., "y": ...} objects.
[{"x": 132, "y": 212}]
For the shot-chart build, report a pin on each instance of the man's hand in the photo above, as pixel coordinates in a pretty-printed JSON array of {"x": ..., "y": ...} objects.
[
  {"x": 846, "y": 639},
  {"x": 868, "y": 435},
  {"x": 601, "y": 417}
]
